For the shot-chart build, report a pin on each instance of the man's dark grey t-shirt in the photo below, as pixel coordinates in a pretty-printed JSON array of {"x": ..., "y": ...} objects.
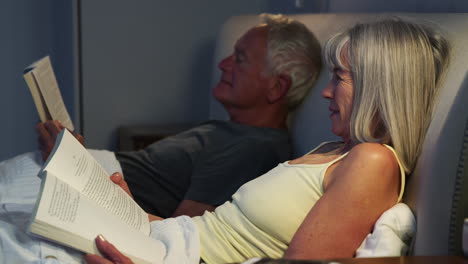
[{"x": 206, "y": 164}]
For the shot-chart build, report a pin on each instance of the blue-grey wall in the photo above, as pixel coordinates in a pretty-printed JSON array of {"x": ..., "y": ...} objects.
[
  {"x": 149, "y": 62},
  {"x": 417, "y": 6},
  {"x": 367, "y": 6},
  {"x": 27, "y": 31},
  {"x": 64, "y": 52}
]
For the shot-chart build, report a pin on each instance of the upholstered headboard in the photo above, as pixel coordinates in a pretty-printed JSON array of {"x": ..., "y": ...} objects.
[{"x": 436, "y": 191}]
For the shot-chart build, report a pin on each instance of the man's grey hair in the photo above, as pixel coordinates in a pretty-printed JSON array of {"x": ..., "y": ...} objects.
[
  {"x": 292, "y": 50},
  {"x": 397, "y": 67}
]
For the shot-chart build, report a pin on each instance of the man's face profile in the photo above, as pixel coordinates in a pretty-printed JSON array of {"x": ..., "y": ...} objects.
[{"x": 243, "y": 81}]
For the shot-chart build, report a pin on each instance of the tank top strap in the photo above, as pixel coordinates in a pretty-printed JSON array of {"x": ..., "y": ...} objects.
[
  {"x": 321, "y": 145},
  {"x": 328, "y": 164},
  {"x": 402, "y": 173}
]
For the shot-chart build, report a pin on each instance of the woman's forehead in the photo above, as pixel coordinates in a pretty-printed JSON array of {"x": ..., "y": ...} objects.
[
  {"x": 344, "y": 56},
  {"x": 337, "y": 53}
]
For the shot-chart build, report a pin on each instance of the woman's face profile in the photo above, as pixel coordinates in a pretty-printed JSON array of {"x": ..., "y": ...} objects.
[{"x": 340, "y": 91}]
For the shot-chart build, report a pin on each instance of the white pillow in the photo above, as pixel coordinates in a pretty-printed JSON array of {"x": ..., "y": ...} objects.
[{"x": 391, "y": 235}]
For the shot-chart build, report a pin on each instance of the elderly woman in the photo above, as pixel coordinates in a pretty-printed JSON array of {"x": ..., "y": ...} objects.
[{"x": 385, "y": 77}]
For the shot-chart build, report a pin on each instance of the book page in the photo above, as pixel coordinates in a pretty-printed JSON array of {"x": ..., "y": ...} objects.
[
  {"x": 45, "y": 78},
  {"x": 73, "y": 164},
  {"x": 68, "y": 217},
  {"x": 38, "y": 99}
]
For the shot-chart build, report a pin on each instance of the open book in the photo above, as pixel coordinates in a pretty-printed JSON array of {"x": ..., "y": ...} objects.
[
  {"x": 40, "y": 78},
  {"x": 78, "y": 201}
]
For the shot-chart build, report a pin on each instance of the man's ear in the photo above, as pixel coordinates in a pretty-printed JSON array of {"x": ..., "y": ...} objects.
[{"x": 279, "y": 89}]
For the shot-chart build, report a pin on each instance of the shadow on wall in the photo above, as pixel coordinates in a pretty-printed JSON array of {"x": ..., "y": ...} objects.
[{"x": 201, "y": 78}]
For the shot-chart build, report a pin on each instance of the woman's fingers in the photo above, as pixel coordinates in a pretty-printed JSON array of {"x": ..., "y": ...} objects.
[
  {"x": 118, "y": 179},
  {"x": 109, "y": 251}
]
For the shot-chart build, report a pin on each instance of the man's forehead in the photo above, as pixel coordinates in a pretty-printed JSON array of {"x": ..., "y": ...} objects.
[{"x": 252, "y": 37}]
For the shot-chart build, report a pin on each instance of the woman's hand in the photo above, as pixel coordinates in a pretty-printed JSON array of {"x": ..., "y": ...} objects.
[
  {"x": 154, "y": 218},
  {"x": 110, "y": 252},
  {"x": 118, "y": 179}
]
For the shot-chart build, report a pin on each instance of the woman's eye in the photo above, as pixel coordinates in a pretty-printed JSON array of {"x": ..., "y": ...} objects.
[{"x": 337, "y": 77}]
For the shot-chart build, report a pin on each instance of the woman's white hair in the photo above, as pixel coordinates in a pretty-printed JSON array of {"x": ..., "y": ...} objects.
[
  {"x": 397, "y": 67},
  {"x": 292, "y": 50}
]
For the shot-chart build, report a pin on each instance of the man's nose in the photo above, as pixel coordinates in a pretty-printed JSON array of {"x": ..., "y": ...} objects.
[{"x": 226, "y": 63}]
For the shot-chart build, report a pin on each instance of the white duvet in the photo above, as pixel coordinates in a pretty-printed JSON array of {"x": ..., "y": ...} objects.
[{"x": 19, "y": 186}]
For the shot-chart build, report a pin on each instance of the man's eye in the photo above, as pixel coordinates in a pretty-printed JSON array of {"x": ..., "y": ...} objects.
[{"x": 239, "y": 59}]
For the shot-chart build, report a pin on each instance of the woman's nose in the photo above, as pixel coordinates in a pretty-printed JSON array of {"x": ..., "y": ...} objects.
[{"x": 327, "y": 92}]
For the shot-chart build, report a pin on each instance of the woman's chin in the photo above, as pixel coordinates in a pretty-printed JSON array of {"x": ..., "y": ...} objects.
[
  {"x": 336, "y": 133},
  {"x": 339, "y": 132}
]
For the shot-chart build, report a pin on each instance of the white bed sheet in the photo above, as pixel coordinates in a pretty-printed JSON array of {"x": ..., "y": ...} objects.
[{"x": 19, "y": 186}]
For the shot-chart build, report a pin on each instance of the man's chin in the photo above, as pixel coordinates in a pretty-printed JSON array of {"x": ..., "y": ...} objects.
[
  {"x": 221, "y": 98},
  {"x": 219, "y": 91}
]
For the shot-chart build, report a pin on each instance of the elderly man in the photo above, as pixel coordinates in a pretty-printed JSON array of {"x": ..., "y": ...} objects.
[{"x": 271, "y": 69}]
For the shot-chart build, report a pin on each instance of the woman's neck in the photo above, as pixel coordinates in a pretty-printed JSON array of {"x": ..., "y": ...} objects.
[{"x": 347, "y": 146}]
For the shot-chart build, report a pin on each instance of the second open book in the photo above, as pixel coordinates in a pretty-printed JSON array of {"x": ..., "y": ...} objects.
[{"x": 78, "y": 201}]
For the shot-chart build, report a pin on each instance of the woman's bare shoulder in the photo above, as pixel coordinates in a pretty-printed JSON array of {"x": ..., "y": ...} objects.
[
  {"x": 368, "y": 162},
  {"x": 373, "y": 153}
]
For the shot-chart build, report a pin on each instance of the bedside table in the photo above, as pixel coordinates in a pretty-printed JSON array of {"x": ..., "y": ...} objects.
[{"x": 139, "y": 136}]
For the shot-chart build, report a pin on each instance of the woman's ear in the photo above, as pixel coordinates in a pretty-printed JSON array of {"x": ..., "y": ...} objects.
[{"x": 280, "y": 88}]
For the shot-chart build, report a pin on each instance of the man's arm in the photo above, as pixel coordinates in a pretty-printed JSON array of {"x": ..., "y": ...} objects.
[{"x": 192, "y": 208}]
